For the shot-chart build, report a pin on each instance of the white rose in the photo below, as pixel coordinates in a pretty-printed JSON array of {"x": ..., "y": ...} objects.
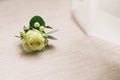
[{"x": 33, "y": 41}]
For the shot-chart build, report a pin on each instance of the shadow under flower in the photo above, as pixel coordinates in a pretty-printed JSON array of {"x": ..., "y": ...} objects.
[{"x": 35, "y": 53}]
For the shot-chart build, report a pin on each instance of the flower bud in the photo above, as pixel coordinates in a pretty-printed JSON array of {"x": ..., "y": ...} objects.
[
  {"x": 26, "y": 28},
  {"x": 22, "y": 33},
  {"x": 42, "y": 28},
  {"x": 44, "y": 35},
  {"x": 36, "y": 24}
]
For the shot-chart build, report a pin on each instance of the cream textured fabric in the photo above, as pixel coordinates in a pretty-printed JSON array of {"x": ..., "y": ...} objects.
[{"x": 73, "y": 56}]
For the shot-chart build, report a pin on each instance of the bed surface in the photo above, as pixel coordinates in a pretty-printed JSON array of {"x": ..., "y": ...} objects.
[{"x": 74, "y": 56}]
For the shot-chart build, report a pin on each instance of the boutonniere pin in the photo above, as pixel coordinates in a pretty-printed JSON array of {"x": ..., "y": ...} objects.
[{"x": 34, "y": 36}]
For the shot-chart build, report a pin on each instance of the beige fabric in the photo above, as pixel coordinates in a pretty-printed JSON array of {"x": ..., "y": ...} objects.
[{"x": 73, "y": 56}]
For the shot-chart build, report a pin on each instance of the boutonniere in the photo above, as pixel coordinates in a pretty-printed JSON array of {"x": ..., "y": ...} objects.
[{"x": 34, "y": 36}]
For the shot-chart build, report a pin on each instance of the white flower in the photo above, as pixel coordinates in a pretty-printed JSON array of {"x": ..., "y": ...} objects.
[{"x": 33, "y": 41}]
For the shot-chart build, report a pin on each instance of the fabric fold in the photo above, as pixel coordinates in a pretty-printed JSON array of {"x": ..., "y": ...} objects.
[{"x": 98, "y": 18}]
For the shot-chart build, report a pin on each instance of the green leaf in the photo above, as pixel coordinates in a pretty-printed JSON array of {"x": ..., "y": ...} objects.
[
  {"x": 49, "y": 27},
  {"x": 19, "y": 37},
  {"x": 37, "y": 19},
  {"x": 53, "y": 31},
  {"x": 51, "y": 37}
]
